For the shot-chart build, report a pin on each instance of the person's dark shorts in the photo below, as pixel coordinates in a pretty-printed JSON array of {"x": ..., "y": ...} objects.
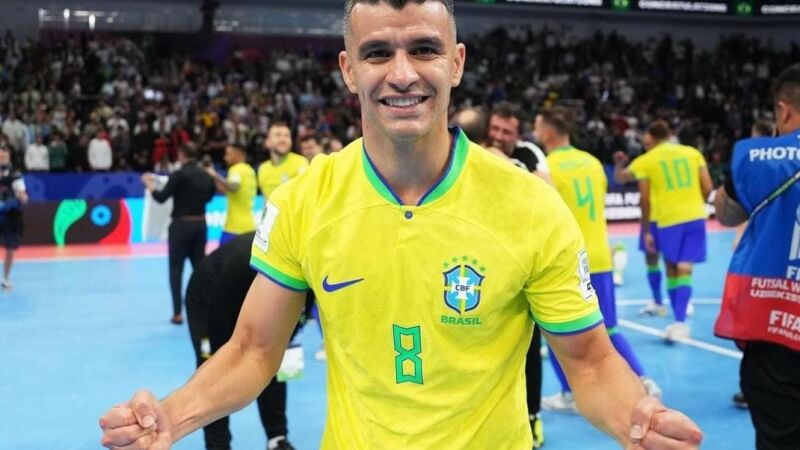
[
  {"x": 10, "y": 234},
  {"x": 770, "y": 381}
]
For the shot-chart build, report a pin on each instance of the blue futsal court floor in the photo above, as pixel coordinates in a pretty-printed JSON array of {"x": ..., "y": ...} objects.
[{"x": 80, "y": 335}]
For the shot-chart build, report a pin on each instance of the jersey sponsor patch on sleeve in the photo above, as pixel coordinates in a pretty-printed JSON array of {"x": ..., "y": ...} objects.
[
  {"x": 268, "y": 217},
  {"x": 587, "y": 290}
]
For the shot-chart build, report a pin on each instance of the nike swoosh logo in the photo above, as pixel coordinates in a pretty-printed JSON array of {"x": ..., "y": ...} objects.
[{"x": 333, "y": 287}]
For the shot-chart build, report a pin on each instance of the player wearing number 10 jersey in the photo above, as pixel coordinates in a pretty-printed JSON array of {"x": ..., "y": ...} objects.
[
  {"x": 675, "y": 180},
  {"x": 427, "y": 308},
  {"x": 581, "y": 181}
]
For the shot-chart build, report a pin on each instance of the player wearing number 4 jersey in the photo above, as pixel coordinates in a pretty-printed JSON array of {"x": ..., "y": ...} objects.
[
  {"x": 581, "y": 181},
  {"x": 428, "y": 274},
  {"x": 674, "y": 180}
]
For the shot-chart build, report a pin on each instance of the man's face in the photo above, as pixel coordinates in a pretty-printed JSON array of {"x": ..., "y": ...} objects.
[
  {"x": 542, "y": 132},
  {"x": 648, "y": 141},
  {"x": 310, "y": 148},
  {"x": 504, "y": 132},
  {"x": 5, "y": 156},
  {"x": 402, "y": 64},
  {"x": 279, "y": 140},
  {"x": 231, "y": 156}
]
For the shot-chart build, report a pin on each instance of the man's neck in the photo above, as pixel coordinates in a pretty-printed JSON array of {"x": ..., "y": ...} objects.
[
  {"x": 410, "y": 167},
  {"x": 277, "y": 158},
  {"x": 556, "y": 144}
]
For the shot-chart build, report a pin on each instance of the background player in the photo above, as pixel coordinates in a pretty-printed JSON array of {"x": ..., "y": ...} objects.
[
  {"x": 674, "y": 178},
  {"x": 648, "y": 246},
  {"x": 580, "y": 179},
  {"x": 240, "y": 189},
  {"x": 283, "y": 164}
]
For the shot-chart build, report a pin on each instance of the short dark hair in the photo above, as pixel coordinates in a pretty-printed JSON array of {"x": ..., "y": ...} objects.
[
  {"x": 189, "y": 150},
  {"x": 764, "y": 127},
  {"x": 508, "y": 110},
  {"x": 396, "y": 4},
  {"x": 474, "y": 127},
  {"x": 237, "y": 148},
  {"x": 559, "y": 118},
  {"x": 659, "y": 130},
  {"x": 786, "y": 86},
  {"x": 279, "y": 123},
  {"x": 310, "y": 137}
]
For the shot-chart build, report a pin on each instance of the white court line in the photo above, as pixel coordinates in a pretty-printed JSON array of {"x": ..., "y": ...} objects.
[
  {"x": 58, "y": 259},
  {"x": 696, "y": 301},
  {"x": 699, "y": 344}
]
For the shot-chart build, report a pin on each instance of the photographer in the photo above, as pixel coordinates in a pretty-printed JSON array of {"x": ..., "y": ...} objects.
[
  {"x": 12, "y": 197},
  {"x": 191, "y": 188}
]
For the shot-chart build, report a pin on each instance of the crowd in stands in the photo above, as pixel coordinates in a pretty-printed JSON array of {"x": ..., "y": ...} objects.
[{"x": 82, "y": 103}]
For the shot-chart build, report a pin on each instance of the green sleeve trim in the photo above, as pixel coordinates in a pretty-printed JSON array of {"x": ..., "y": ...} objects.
[
  {"x": 676, "y": 282},
  {"x": 573, "y": 326},
  {"x": 653, "y": 269},
  {"x": 278, "y": 276}
]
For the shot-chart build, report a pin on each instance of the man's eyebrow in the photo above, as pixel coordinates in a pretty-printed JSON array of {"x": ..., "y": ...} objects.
[
  {"x": 377, "y": 44},
  {"x": 428, "y": 41},
  {"x": 371, "y": 45}
]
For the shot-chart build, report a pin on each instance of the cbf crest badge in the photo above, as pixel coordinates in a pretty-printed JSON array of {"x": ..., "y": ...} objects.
[{"x": 462, "y": 285}]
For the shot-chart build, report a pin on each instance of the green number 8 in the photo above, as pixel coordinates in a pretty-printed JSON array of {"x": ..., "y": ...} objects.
[{"x": 407, "y": 354}]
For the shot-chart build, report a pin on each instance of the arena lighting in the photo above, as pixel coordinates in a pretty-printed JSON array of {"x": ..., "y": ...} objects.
[
  {"x": 66, "y": 14},
  {"x": 91, "y": 21}
]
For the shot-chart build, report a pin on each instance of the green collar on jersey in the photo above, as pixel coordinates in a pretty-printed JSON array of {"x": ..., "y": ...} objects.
[
  {"x": 458, "y": 156},
  {"x": 564, "y": 148}
]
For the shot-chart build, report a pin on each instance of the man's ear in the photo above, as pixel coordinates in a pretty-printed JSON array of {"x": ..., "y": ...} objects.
[
  {"x": 458, "y": 61},
  {"x": 347, "y": 71}
]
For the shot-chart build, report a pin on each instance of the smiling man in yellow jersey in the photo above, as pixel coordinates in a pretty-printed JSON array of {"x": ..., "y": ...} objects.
[
  {"x": 239, "y": 188},
  {"x": 674, "y": 178},
  {"x": 429, "y": 275},
  {"x": 581, "y": 181},
  {"x": 282, "y": 165}
]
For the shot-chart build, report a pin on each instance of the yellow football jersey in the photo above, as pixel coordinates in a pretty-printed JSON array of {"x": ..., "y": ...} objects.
[
  {"x": 581, "y": 180},
  {"x": 427, "y": 308},
  {"x": 239, "y": 217},
  {"x": 673, "y": 171},
  {"x": 271, "y": 176}
]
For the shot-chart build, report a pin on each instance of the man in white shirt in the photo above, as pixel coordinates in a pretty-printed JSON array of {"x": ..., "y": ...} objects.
[
  {"x": 99, "y": 153},
  {"x": 37, "y": 157},
  {"x": 15, "y": 130}
]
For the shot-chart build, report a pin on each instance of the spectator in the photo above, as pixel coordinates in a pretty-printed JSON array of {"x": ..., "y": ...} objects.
[
  {"x": 16, "y": 132},
  {"x": 57, "y": 153},
  {"x": 36, "y": 156},
  {"x": 310, "y": 146},
  {"x": 142, "y": 147},
  {"x": 99, "y": 153}
]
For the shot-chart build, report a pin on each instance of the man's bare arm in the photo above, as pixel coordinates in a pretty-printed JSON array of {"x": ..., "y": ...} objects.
[
  {"x": 230, "y": 380},
  {"x": 706, "y": 185},
  {"x": 606, "y": 390},
  {"x": 727, "y": 211}
]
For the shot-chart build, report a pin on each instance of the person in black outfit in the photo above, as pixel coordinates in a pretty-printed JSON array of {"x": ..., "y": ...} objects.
[
  {"x": 504, "y": 133},
  {"x": 12, "y": 197},
  {"x": 191, "y": 188},
  {"x": 214, "y": 297}
]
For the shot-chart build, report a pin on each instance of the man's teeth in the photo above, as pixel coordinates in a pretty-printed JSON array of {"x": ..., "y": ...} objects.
[{"x": 403, "y": 101}]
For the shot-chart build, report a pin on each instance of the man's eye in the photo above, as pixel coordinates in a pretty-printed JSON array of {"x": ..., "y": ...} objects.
[
  {"x": 377, "y": 54},
  {"x": 425, "y": 51}
]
